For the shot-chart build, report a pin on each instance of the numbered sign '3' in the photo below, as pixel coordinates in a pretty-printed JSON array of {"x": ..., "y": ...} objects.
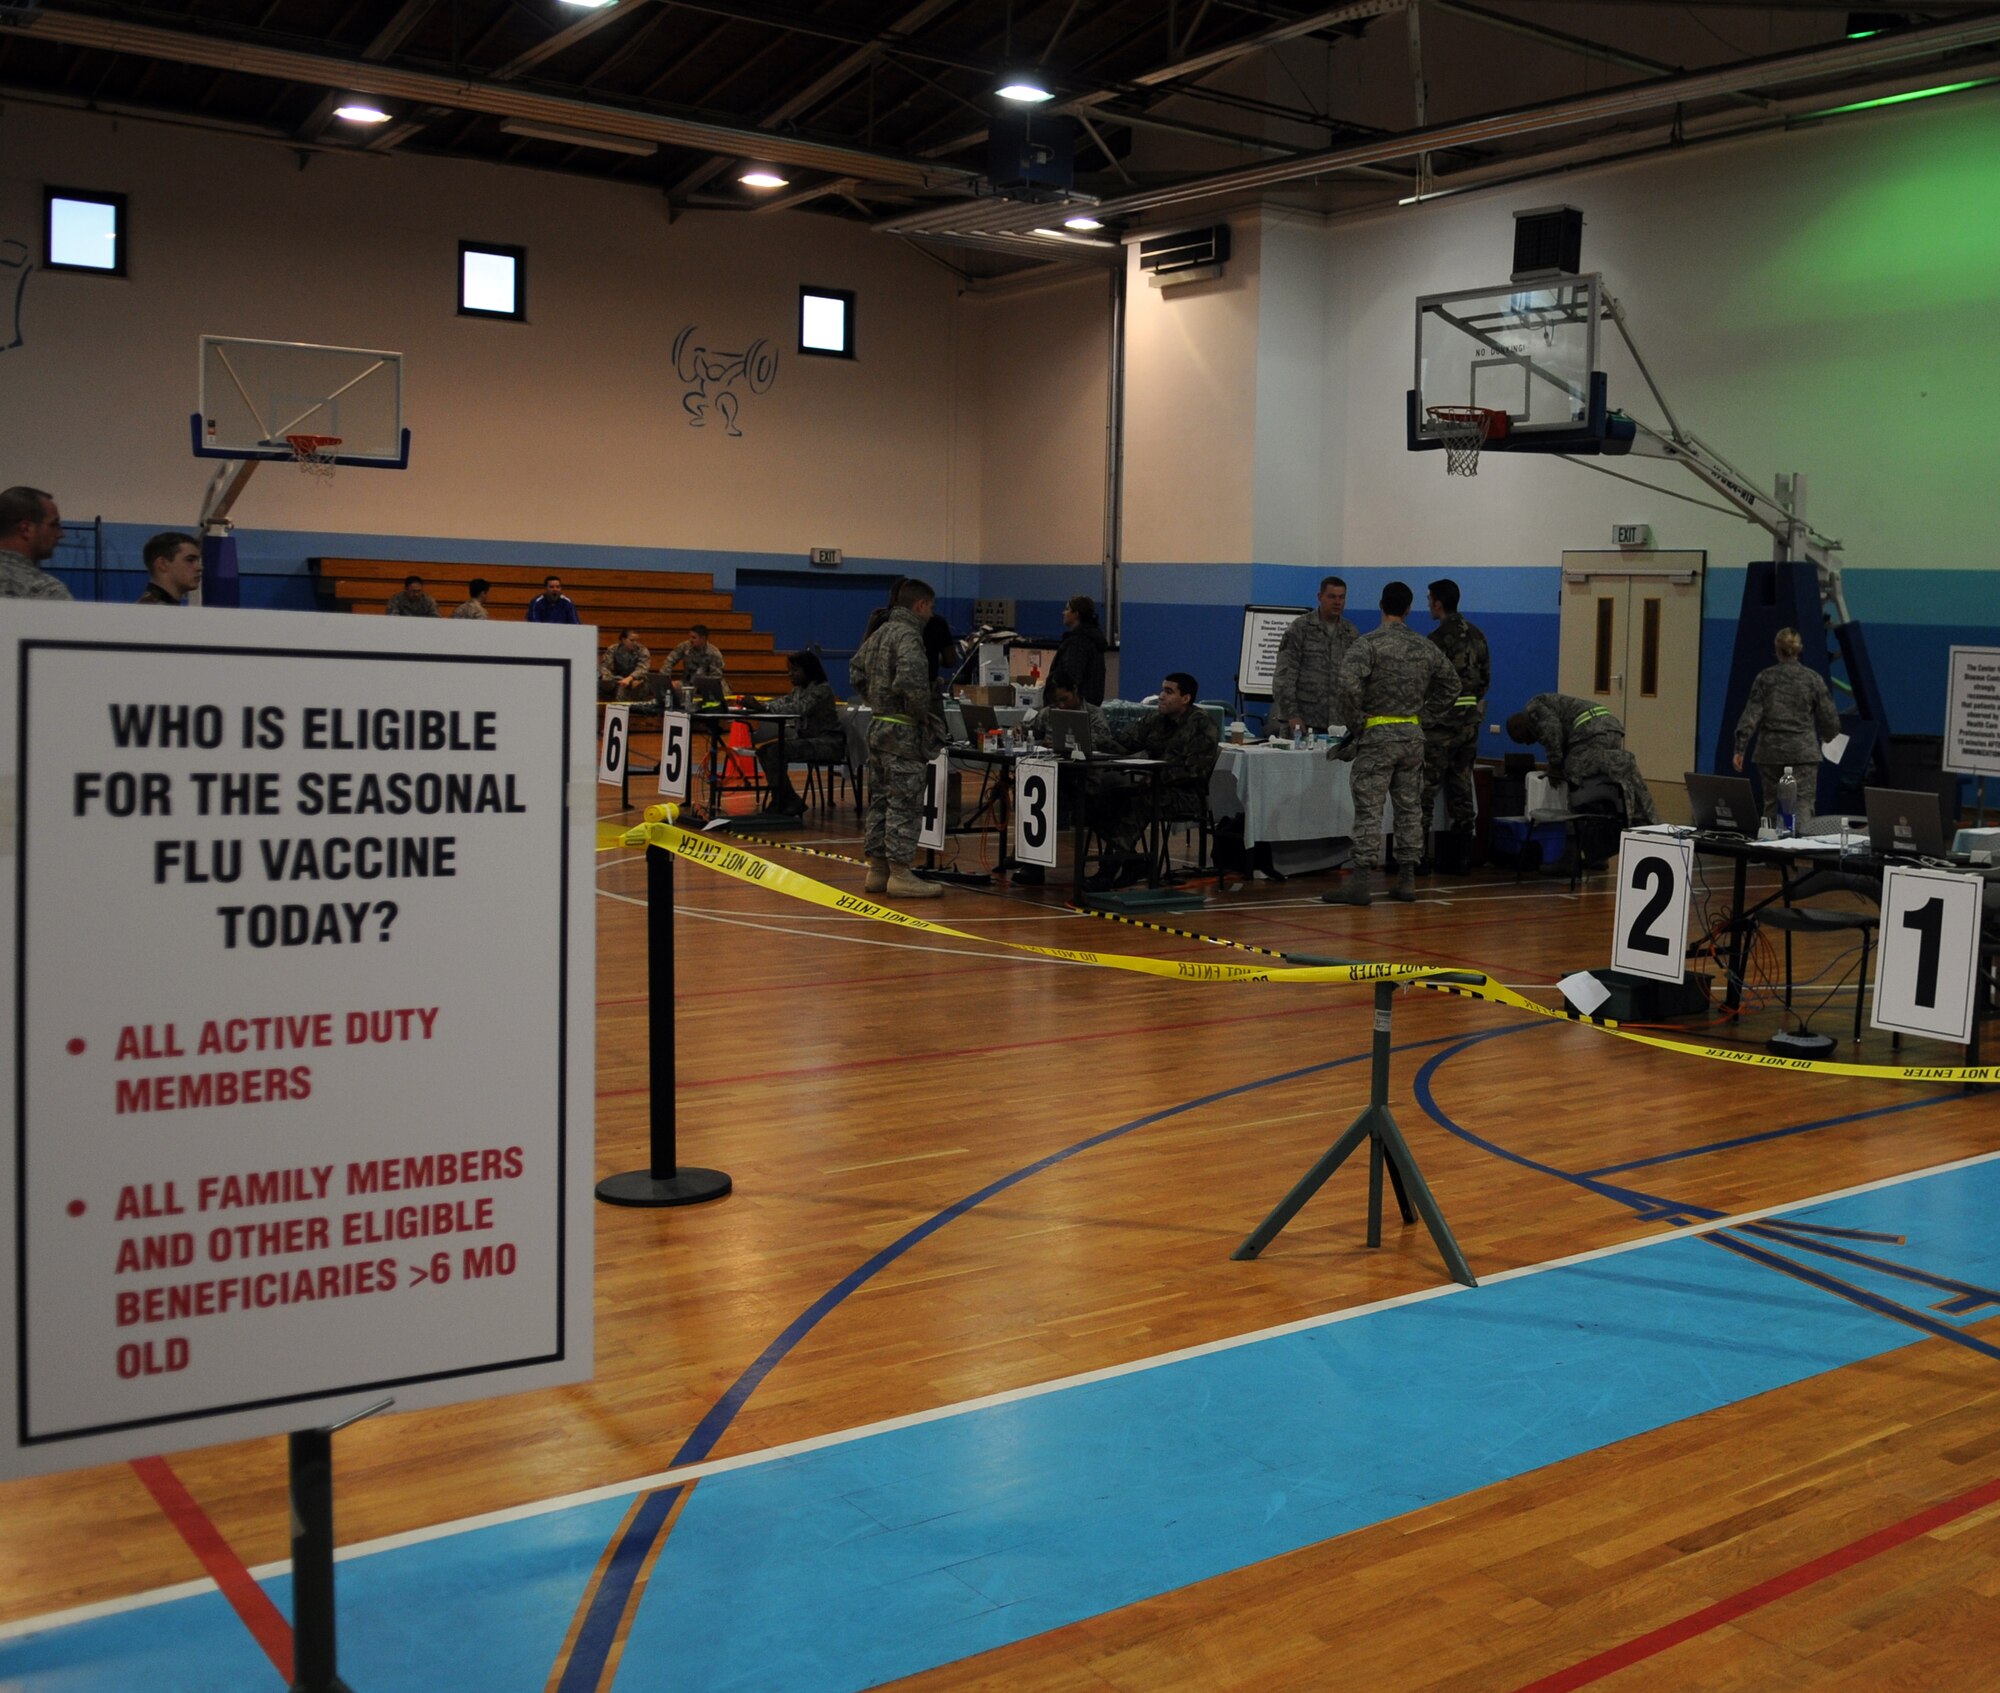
[
  {"x": 1035, "y": 812},
  {"x": 676, "y": 754},
  {"x": 616, "y": 745},
  {"x": 1649, "y": 935},
  {"x": 1927, "y": 971},
  {"x": 930, "y": 827}
]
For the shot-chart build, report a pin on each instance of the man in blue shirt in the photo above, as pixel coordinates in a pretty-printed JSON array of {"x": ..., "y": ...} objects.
[{"x": 552, "y": 605}]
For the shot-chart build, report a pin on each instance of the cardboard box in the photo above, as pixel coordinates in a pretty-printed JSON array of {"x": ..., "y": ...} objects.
[{"x": 987, "y": 694}]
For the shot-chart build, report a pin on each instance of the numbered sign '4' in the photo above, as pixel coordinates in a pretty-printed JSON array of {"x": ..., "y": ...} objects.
[
  {"x": 1649, "y": 935},
  {"x": 1035, "y": 811},
  {"x": 616, "y": 746},
  {"x": 676, "y": 754},
  {"x": 1927, "y": 971},
  {"x": 930, "y": 828}
]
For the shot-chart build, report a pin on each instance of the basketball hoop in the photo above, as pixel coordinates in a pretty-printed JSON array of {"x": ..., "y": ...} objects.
[
  {"x": 1464, "y": 430},
  {"x": 314, "y": 453}
]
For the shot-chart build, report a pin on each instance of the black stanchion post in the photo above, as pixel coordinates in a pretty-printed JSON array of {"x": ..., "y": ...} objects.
[
  {"x": 1377, "y": 1126},
  {"x": 666, "y": 1181},
  {"x": 313, "y": 1655}
]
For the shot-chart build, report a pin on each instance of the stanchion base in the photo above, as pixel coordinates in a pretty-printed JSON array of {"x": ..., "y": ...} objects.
[
  {"x": 686, "y": 1186},
  {"x": 336, "y": 1685}
]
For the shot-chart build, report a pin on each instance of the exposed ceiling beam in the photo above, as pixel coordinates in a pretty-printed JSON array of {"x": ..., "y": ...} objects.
[
  {"x": 474, "y": 94},
  {"x": 401, "y": 25},
  {"x": 828, "y": 82}
]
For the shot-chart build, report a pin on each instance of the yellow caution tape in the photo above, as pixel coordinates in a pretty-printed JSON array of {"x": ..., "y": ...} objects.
[{"x": 730, "y": 860}]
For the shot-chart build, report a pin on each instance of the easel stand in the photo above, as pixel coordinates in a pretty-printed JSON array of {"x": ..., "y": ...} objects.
[
  {"x": 313, "y": 1656},
  {"x": 1377, "y": 1126},
  {"x": 665, "y": 1181}
]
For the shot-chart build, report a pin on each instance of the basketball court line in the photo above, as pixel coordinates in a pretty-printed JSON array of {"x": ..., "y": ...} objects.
[{"x": 786, "y": 1452}]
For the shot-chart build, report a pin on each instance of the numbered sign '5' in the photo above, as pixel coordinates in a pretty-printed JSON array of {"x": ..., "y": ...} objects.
[
  {"x": 676, "y": 754},
  {"x": 1649, "y": 935}
]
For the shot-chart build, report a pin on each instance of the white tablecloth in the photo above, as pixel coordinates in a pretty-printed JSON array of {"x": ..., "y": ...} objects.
[{"x": 1289, "y": 794}]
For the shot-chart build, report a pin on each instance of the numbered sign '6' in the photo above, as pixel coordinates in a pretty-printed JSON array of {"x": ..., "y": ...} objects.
[
  {"x": 1927, "y": 972},
  {"x": 1649, "y": 937},
  {"x": 1035, "y": 811},
  {"x": 617, "y": 743},
  {"x": 676, "y": 754},
  {"x": 930, "y": 830}
]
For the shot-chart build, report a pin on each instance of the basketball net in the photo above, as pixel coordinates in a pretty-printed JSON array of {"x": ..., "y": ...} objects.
[
  {"x": 1464, "y": 430},
  {"x": 313, "y": 454}
]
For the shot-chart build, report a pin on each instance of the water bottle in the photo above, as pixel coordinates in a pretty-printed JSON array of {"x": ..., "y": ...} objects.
[{"x": 1788, "y": 801}]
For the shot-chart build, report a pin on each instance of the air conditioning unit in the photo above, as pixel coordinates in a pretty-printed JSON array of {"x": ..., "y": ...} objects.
[{"x": 1194, "y": 255}]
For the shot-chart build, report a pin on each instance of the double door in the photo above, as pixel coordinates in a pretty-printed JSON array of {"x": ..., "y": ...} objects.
[{"x": 1631, "y": 640}]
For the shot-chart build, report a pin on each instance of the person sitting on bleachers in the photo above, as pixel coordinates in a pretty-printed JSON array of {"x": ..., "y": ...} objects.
[
  {"x": 817, "y": 737},
  {"x": 698, "y": 663},
  {"x": 552, "y": 605},
  {"x": 625, "y": 672},
  {"x": 1187, "y": 740},
  {"x": 412, "y": 601},
  {"x": 475, "y": 603}
]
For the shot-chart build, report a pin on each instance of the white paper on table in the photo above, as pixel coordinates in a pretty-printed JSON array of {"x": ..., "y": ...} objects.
[
  {"x": 1835, "y": 749},
  {"x": 1584, "y": 991}
]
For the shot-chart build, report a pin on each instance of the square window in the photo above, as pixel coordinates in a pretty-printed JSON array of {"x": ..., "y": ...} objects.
[
  {"x": 826, "y": 322},
  {"x": 85, "y": 230},
  {"x": 492, "y": 281}
]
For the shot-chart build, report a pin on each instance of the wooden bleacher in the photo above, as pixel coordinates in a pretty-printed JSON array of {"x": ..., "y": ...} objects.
[{"x": 660, "y": 604}]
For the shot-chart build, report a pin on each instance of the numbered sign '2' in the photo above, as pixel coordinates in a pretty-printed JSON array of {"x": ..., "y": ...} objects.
[
  {"x": 1035, "y": 811},
  {"x": 1927, "y": 972},
  {"x": 930, "y": 830},
  {"x": 676, "y": 754},
  {"x": 616, "y": 745},
  {"x": 1649, "y": 936}
]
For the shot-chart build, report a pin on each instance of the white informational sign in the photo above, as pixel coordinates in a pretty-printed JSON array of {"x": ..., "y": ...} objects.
[
  {"x": 1035, "y": 811},
  {"x": 930, "y": 828},
  {"x": 1972, "y": 712},
  {"x": 1927, "y": 971},
  {"x": 676, "y": 754},
  {"x": 1649, "y": 935},
  {"x": 298, "y": 931},
  {"x": 615, "y": 746},
  {"x": 1264, "y": 627}
]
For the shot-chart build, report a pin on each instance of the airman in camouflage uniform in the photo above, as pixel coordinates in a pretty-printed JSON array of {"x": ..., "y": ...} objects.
[
  {"x": 1789, "y": 713},
  {"x": 700, "y": 662},
  {"x": 30, "y": 527},
  {"x": 624, "y": 672},
  {"x": 1306, "y": 677},
  {"x": 1066, "y": 696},
  {"x": 1394, "y": 680},
  {"x": 892, "y": 673},
  {"x": 1586, "y": 742},
  {"x": 1451, "y": 736},
  {"x": 1186, "y": 739}
]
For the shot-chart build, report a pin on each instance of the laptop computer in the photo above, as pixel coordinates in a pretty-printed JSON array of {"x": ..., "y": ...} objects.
[
  {"x": 978, "y": 720},
  {"x": 1905, "y": 825},
  {"x": 1723, "y": 805},
  {"x": 1066, "y": 729}
]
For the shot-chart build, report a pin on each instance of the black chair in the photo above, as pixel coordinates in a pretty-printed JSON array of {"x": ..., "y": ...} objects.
[{"x": 1791, "y": 919}]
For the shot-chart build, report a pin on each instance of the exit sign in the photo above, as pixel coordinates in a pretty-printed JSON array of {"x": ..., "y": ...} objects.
[
  {"x": 1633, "y": 534},
  {"x": 825, "y": 558}
]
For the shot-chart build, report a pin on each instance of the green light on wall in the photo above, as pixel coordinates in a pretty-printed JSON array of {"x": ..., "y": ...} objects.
[
  {"x": 1861, "y": 34},
  {"x": 1900, "y": 99}
]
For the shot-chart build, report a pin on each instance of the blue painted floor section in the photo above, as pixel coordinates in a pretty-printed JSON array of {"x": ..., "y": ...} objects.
[{"x": 850, "y": 1566}]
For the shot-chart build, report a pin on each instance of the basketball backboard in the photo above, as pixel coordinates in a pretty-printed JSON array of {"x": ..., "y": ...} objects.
[
  {"x": 1528, "y": 349},
  {"x": 254, "y": 394}
]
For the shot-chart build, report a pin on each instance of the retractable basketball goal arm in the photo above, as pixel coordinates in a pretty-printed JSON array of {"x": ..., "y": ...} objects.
[
  {"x": 230, "y": 478},
  {"x": 1782, "y": 513}
]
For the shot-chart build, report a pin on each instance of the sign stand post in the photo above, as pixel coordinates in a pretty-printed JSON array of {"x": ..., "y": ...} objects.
[
  {"x": 1377, "y": 1126},
  {"x": 666, "y": 1181}
]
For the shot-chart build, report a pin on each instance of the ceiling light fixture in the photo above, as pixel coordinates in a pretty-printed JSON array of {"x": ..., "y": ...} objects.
[
  {"x": 359, "y": 111},
  {"x": 589, "y": 5},
  {"x": 762, "y": 176},
  {"x": 1082, "y": 223},
  {"x": 1024, "y": 89},
  {"x": 1900, "y": 99}
]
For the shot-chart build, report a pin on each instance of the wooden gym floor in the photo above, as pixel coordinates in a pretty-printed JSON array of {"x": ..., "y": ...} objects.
[{"x": 1766, "y": 1460}]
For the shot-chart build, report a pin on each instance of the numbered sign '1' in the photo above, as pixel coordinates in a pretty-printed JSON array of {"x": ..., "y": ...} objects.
[
  {"x": 613, "y": 749},
  {"x": 676, "y": 754},
  {"x": 1035, "y": 811},
  {"x": 930, "y": 827},
  {"x": 1927, "y": 972},
  {"x": 1650, "y": 933}
]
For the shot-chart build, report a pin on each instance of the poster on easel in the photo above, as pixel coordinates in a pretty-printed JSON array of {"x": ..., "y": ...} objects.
[
  {"x": 1972, "y": 712},
  {"x": 299, "y": 930},
  {"x": 1264, "y": 628}
]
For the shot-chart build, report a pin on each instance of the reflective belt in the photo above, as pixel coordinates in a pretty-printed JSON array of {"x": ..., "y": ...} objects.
[
  {"x": 1465, "y": 700},
  {"x": 888, "y": 717},
  {"x": 1591, "y": 715},
  {"x": 1377, "y": 722}
]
